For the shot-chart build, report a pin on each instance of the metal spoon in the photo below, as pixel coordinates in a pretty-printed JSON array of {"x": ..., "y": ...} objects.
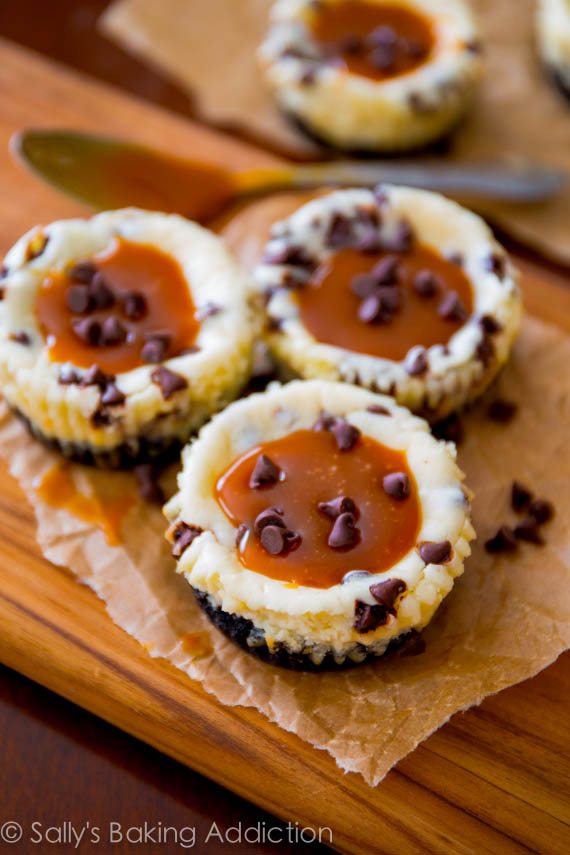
[{"x": 110, "y": 173}]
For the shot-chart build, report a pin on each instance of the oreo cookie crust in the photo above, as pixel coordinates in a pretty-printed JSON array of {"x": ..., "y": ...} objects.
[
  {"x": 431, "y": 380},
  {"x": 364, "y": 612},
  {"x": 408, "y": 95},
  {"x": 158, "y": 397}
]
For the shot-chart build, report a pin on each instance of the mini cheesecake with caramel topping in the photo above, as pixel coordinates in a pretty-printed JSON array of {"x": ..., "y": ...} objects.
[
  {"x": 319, "y": 524},
  {"x": 121, "y": 334},
  {"x": 380, "y": 75},
  {"x": 398, "y": 290}
]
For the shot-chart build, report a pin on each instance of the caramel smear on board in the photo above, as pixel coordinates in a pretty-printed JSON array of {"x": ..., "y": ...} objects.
[{"x": 104, "y": 504}]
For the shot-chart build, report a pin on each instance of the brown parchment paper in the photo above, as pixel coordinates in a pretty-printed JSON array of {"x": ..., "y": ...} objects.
[
  {"x": 208, "y": 47},
  {"x": 506, "y": 619}
]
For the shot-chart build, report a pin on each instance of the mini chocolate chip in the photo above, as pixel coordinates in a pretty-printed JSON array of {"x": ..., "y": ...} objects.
[
  {"x": 134, "y": 305},
  {"x": 184, "y": 535},
  {"x": 154, "y": 349},
  {"x": 382, "y": 35},
  {"x": 418, "y": 103},
  {"x": 344, "y": 533},
  {"x": 496, "y": 264},
  {"x": 3, "y": 271},
  {"x": 95, "y": 377},
  {"x": 336, "y": 507},
  {"x": 112, "y": 396},
  {"x": 112, "y": 331},
  {"x": 452, "y": 308},
  {"x": 240, "y": 533},
  {"x": 412, "y": 645},
  {"x": 378, "y": 410},
  {"x": 346, "y": 435},
  {"x": 354, "y": 574},
  {"x": 529, "y": 531},
  {"x": 383, "y": 57},
  {"x": 101, "y": 418},
  {"x": 474, "y": 47},
  {"x": 414, "y": 48},
  {"x": 149, "y": 487},
  {"x": 351, "y": 44},
  {"x": 426, "y": 283},
  {"x": 371, "y": 311},
  {"x": 292, "y": 540},
  {"x": 273, "y": 539},
  {"x": 339, "y": 233},
  {"x": 417, "y": 364},
  {"x": 270, "y": 516},
  {"x": 369, "y": 241},
  {"x": 502, "y": 411},
  {"x": 20, "y": 337},
  {"x": 451, "y": 429},
  {"x": 386, "y": 593},
  {"x": 386, "y": 271},
  {"x": 542, "y": 510},
  {"x": 391, "y": 299},
  {"x": 208, "y": 310},
  {"x": 168, "y": 381},
  {"x": 88, "y": 330},
  {"x": 503, "y": 541},
  {"x": 435, "y": 553},
  {"x": 325, "y": 422},
  {"x": 485, "y": 350},
  {"x": 68, "y": 376},
  {"x": 368, "y": 618},
  {"x": 101, "y": 292},
  {"x": 79, "y": 300},
  {"x": 286, "y": 253},
  {"x": 521, "y": 497},
  {"x": 490, "y": 324},
  {"x": 456, "y": 258},
  {"x": 363, "y": 285},
  {"x": 2, "y": 292},
  {"x": 397, "y": 485},
  {"x": 82, "y": 271},
  {"x": 308, "y": 75},
  {"x": 265, "y": 473}
]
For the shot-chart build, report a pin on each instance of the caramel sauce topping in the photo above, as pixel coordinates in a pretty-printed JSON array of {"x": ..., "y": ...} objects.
[
  {"x": 329, "y": 307},
  {"x": 127, "y": 268},
  {"x": 104, "y": 505},
  {"x": 379, "y": 41},
  {"x": 314, "y": 470}
]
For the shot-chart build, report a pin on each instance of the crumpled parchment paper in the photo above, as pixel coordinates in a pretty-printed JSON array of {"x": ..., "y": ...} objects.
[
  {"x": 506, "y": 619},
  {"x": 208, "y": 47}
]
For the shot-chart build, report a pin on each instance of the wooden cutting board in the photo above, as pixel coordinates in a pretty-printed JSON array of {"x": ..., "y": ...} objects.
[{"x": 495, "y": 779}]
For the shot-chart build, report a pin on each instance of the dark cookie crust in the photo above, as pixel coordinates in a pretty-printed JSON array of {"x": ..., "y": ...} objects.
[
  {"x": 239, "y": 630},
  {"x": 125, "y": 456}
]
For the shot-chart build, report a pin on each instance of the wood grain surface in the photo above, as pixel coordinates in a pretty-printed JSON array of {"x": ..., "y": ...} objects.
[{"x": 496, "y": 779}]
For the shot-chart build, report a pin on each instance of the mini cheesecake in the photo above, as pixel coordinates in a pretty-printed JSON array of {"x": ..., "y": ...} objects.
[
  {"x": 398, "y": 290},
  {"x": 319, "y": 524},
  {"x": 121, "y": 334},
  {"x": 377, "y": 75},
  {"x": 553, "y": 30}
]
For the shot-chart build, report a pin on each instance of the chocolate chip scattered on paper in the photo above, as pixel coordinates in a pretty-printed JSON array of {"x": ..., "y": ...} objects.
[
  {"x": 519, "y": 113},
  {"x": 507, "y": 618}
]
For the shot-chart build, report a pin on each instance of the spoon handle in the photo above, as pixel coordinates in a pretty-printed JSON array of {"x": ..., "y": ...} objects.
[{"x": 522, "y": 183}]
